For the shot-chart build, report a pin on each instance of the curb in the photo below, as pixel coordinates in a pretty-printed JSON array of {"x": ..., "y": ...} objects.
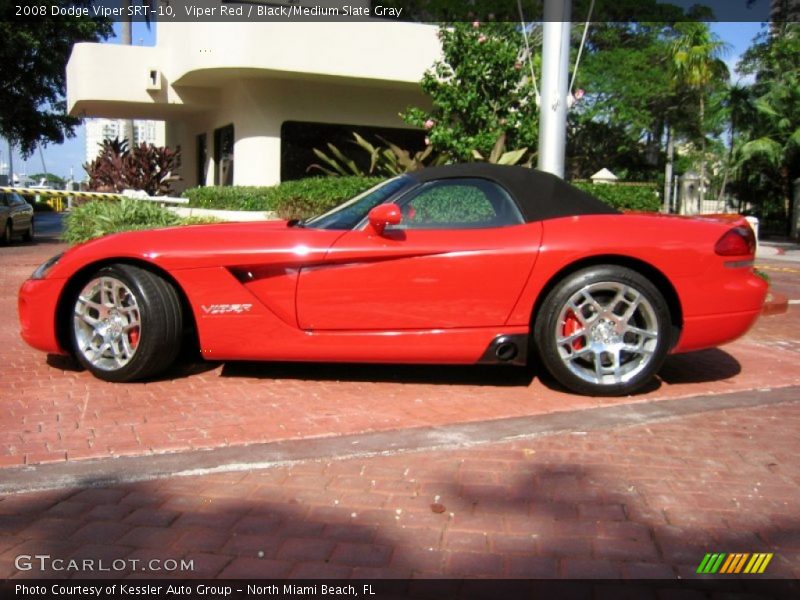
[{"x": 775, "y": 304}]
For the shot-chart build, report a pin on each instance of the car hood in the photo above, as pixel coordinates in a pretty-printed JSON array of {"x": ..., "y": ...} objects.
[{"x": 199, "y": 246}]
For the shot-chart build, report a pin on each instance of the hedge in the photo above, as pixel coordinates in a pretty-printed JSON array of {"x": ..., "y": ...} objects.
[
  {"x": 624, "y": 197},
  {"x": 98, "y": 218},
  {"x": 305, "y": 198},
  {"x": 302, "y": 198}
]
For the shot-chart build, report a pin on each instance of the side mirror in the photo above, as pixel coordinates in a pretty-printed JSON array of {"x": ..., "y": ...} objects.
[{"x": 383, "y": 215}]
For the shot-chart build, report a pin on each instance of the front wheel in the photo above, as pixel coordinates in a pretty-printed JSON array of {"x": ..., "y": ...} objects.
[
  {"x": 126, "y": 323},
  {"x": 603, "y": 331}
]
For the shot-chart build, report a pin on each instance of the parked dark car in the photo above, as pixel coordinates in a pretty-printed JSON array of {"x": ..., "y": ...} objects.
[{"x": 16, "y": 217}]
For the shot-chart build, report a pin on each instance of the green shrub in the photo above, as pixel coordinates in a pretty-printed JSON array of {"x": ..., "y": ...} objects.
[
  {"x": 625, "y": 197},
  {"x": 231, "y": 198},
  {"x": 302, "y": 198},
  {"x": 198, "y": 220},
  {"x": 452, "y": 204},
  {"x": 99, "y": 218},
  {"x": 312, "y": 196}
]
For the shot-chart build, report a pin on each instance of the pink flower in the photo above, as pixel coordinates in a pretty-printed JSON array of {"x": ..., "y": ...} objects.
[
  {"x": 429, "y": 124},
  {"x": 579, "y": 93},
  {"x": 476, "y": 24},
  {"x": 482, "y": 38}
]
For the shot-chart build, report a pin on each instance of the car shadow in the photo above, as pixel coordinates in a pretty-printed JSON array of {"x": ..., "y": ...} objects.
[
  {"x": 184, "y": 366},
  {"x": 703, "y": 366},
  {"x": 489, "y": 375}
]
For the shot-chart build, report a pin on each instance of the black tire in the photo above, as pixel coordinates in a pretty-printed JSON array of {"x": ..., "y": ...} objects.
[
  {"x": 8, "y": 233},
  {"x": 592, "y": 349},
  {"x": 141, "y": 295},
  {"x": 28, "y": 235}
]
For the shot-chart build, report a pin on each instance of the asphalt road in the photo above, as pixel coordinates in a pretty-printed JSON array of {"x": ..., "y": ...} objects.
[{"x": 48, "y": 224}]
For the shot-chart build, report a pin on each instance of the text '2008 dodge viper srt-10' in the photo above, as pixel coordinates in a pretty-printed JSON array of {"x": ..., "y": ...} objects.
[{"x": 460, "y": 264}]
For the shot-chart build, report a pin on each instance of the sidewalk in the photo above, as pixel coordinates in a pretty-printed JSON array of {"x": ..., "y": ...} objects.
[{"x": 773, "y": 250}]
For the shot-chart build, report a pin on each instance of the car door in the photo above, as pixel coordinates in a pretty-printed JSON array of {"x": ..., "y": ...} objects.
[
  {"x": 21, "y": 212},
  {"x": 459, "y": 258}
]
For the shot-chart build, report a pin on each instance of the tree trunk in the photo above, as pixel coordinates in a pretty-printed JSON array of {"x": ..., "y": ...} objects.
[
  {"x": 702, "y": 154},
  {"x": 668, "y": 168},
  {"x": 728, "y": 163}
]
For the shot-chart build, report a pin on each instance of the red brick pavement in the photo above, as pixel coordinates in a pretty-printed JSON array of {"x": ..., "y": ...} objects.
[
  {"x": 53, "y": 413},
  {"x": 643, "y": 501}
]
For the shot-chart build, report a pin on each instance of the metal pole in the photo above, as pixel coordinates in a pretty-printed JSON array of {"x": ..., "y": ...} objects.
[
  {"x": 555, "y": 86},
  {"x": 126, "y": 34}
]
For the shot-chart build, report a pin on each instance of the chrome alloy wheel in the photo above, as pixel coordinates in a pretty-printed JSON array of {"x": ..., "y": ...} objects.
[
  {"x": 107, "y": 323},
  {"x": 606, "y": 333}
]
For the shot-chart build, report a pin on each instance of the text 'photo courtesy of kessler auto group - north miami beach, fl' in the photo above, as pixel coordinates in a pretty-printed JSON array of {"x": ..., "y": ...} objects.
[{"x": 400, "y": 299}]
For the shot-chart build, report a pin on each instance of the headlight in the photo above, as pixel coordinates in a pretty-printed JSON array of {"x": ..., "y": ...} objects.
[{"x": 41, "y": 270}]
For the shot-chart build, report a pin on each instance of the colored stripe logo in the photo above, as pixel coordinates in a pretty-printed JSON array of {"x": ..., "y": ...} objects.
[{"x": 741, "y": 562}]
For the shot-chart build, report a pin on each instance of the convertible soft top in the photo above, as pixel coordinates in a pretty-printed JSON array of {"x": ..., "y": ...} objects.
[{"x": 539, "y": 195}]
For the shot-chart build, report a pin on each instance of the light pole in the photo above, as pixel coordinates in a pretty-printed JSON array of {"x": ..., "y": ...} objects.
[{"x": 555, "y": 86}]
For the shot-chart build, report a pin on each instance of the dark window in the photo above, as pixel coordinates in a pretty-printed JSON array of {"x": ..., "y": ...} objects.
[
  {"x": 223, "y": 155},
  {"x": 15, "y": 199},
  {"x": 202, "y": 158},
  {"x": 466, "y": 203},
  {"x": 298, "y": 140}
]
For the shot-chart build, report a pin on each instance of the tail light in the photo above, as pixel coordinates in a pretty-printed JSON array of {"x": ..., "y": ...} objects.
[{"x": 739, "y": 241}]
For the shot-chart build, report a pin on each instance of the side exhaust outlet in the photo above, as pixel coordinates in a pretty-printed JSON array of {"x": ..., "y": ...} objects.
[
  {"x": 506, "y": 351},
  {"x": 509, "y": 349}
]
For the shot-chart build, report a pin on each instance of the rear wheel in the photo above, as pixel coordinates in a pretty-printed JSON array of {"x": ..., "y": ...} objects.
[
  {"x": 603, "y": 331},
  {"x": 126, "y": 323}
]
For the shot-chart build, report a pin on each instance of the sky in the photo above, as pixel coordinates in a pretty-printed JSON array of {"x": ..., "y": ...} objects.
[{"x": 69, "y": 157}]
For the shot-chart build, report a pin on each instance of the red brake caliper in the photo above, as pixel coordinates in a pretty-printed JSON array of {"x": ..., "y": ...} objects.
[
  {"x": 133, "y": 336},
  {"x": 572, "y": 325}
]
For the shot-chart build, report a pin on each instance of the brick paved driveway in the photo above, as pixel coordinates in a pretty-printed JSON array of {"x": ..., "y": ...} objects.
[
  {"x": 55, "y": 413},
  {"x": 645, "y": 499}
]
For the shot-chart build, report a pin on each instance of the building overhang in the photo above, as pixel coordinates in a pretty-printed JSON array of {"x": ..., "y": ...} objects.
[{"x": 185, "y": 73}]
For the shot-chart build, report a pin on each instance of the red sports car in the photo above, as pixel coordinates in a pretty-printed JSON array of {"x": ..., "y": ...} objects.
[{"x": 461, "y": 264}]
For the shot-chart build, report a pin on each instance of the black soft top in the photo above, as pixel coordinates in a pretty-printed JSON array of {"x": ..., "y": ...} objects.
[{"x": 539, "y": 195}]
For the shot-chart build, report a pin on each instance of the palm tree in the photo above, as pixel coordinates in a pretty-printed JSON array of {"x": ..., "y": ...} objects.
[
  {"x": 737, "y": 109},
  {"x": 696, "y": 66},
  {"x": 768, "y": 156}
]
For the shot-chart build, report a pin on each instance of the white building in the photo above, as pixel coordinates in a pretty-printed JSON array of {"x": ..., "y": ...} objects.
[
  {"x": 97, "y": 130},
  {"x": 238, "y": 98}
]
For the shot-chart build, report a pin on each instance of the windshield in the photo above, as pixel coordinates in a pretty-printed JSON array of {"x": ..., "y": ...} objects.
[{"x": 349, "y": 214}]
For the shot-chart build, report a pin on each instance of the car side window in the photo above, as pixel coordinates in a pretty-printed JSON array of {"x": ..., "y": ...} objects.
[
  {"x": 3, "y": 200},
  {"x": 15, "y": 199},
  {"x": 463, "y": 203}
]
